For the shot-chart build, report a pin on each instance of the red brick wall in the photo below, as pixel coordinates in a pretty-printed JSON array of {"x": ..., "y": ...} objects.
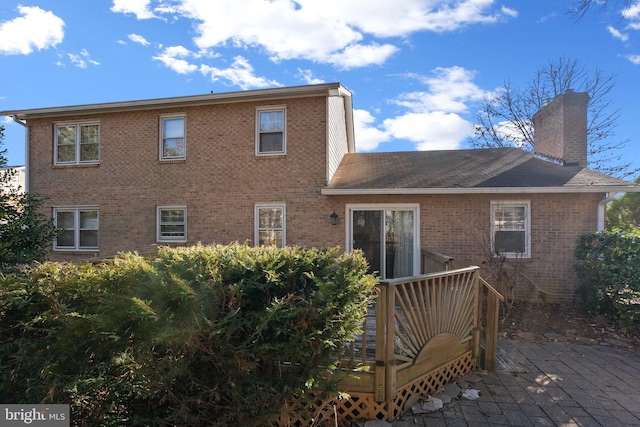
[
  {"x": 219, "y": 182},
  {"x": 556, "y": 221},
  {"x": 459, "y": 226}
]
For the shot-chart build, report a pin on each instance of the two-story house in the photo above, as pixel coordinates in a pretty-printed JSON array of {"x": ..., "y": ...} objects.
[{"x": 279, "y": 166}]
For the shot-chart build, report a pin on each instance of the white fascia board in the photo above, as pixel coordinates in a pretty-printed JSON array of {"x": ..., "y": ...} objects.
[{"x": 484, "y": 190}]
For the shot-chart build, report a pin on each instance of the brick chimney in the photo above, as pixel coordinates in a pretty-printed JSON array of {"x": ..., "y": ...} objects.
[{"x": 560, "y": 129}]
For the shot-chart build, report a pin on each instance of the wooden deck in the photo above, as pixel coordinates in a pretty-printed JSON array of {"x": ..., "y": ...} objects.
[{"x": 421, "y": 333}]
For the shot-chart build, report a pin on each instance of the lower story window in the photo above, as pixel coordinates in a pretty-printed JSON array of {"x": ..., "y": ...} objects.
[
  {"x": 172, "y": 224},
  {"x": 270, "y": 225},
  {"x": 511, "y": 228},
  {"x": 79, "y": 228}
]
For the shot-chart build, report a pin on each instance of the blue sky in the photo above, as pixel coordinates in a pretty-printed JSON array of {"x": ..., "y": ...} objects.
[{"x": 418, "y": 69}]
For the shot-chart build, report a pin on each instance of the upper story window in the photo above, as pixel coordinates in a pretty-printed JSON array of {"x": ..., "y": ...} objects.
[
  {"x": 270, "y": 131},
  {"x": 77, "y": 143},
  {"x": 511, "y": 228},
  {"x": 270, "y": 225},
  {"x": 171, "y": 224},
  {"x": 79, "y": 228},
  {"x": 172, "y": 137}
]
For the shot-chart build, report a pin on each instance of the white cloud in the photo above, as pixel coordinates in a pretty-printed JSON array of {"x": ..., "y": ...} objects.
[
  {"x": 368, "y": 137},
  {"x": 137, "y": 38},
  {"x": 337, "y": 32},
  {"x": 82, "y": 60},
  {"x": 308, "y": 77},
  {"x": 617, "y": 34},
  {"x": 173, "y": 57},
  {"x": 360, "y": 55},
  {"x": 509, "y": 131},
  {"x": 512, "y": 13},
  {"x": 140, "y": 8},
  {"x": 383, "y": 18},
  {"x": 241, "y": 74},
  {"x": 430, "y": 131},
  {"x": 434, "y": 118},
  {"x": 634, "y": 59},
  {"x": 37, "y": 29},
  {"x": 632, "y": 13},
  {"x": 449, "y": 89},
  {"x": 344, "y": 34}
]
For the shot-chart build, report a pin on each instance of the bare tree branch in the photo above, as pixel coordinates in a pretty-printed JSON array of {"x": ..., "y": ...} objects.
[
  {"x": 506, "y": 119},
  {"x": 582, "y": 7}
]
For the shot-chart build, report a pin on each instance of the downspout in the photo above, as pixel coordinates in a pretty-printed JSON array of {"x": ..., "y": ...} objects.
[
  {"x": 602, "y": 207},
  {"x": 26, "y": 151}
]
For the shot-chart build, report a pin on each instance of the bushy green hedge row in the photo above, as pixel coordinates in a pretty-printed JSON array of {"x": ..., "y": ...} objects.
[
  {"x": 610, "y": 275},
  {"x": 192, "y": 336}
]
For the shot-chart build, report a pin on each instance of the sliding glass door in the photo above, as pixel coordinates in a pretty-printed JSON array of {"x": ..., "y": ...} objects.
[{"x": 388, "y": 236}]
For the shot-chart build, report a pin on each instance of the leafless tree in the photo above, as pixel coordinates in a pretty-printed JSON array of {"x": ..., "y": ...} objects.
[
  {"x": 582, "y": 7},
  {"x": 506, "y": 119}
]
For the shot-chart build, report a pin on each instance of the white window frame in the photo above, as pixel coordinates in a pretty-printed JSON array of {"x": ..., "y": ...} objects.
[
  {"x": 78, "y": 143},
  {"x": 162, "y": 119},
  {"x": 76, "y": 228},
  {"x": 256, "y": 216},
  {"x": 415, "y": 207},
  {"x": 165, "y": 239},
  {"x": 271, "y": 109},
  {"x": 495, "y": 204}
]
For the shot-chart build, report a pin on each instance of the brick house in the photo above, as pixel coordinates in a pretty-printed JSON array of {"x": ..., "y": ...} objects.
[{"x": 279, "y": 166}]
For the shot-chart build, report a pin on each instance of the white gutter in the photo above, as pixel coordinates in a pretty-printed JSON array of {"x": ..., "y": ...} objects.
[
  {"x": 479, "y": 190},
  {"x": 26, "y": 151},
  {"x": 601, "y": 211}
]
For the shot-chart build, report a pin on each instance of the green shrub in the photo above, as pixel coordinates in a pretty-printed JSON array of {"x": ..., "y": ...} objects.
[
  {"x": 206, "y": 335},
  {"x": 610, "y": 275}
]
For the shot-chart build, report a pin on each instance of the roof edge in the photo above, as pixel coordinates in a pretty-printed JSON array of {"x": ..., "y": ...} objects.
[
  {"x": 192, "y": 100},
  {"x": 481, "y": 190}
]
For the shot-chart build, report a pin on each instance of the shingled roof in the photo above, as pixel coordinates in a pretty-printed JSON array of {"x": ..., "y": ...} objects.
[{"x": 491, "y": 170}]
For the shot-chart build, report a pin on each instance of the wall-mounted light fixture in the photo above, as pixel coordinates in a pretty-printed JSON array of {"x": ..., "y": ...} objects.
[{"x": 334, "y": 218}]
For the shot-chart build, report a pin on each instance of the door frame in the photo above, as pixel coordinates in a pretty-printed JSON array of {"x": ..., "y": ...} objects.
[{"x": 415, "y": 207}]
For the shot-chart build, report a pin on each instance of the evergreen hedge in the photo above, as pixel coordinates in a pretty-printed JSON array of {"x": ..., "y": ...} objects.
[
  {"x": 205, "y": 335},
  {"x": 610, "y": 275}
]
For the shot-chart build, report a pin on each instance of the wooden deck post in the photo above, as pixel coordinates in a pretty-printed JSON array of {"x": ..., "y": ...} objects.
[
  {"x": 389, "y": 357},
  {"x": 491, "y": 339},
  {"x": 385, "y": 376},
  {"x": 492, "y": 313},
  {"x": 476, "y": 348},
  {"x": 381, "y": 319}
]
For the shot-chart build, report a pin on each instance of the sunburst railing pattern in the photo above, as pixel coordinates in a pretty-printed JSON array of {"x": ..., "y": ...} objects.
[
  {"x": 428, "y": 306},
  {"x": 421, "y": 332}
]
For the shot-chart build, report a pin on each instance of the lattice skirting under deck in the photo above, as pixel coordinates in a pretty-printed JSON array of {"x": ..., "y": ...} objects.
[{"x": 364, "y": 406}]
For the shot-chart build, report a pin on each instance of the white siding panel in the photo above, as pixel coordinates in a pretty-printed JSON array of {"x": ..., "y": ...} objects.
[{"x": 337, "y": 135}]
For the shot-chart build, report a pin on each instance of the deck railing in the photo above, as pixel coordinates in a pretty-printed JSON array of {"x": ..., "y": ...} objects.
[
  {"x": 433, "y": 262},
  {"x": 421, "y": 322},
  {"x": 413, "y": 313},
  {"x": 487, "y": 326},
  {"x": 421, "y": 333}
]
